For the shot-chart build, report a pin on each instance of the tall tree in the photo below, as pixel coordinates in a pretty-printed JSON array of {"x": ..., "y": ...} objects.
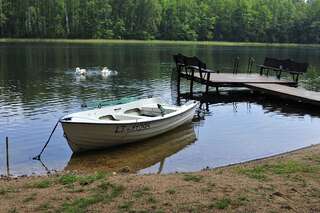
[{"x": 228, "y": 20}]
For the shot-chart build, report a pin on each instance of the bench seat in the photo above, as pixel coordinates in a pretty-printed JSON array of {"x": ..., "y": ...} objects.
[{"x": 294, "y": 68}]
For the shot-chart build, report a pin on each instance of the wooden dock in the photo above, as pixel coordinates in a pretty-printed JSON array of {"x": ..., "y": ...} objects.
[
  {"x": 195, "y": 70},
  {"x": 267, "y": 84},
  {"x": 297, "y": 94}
]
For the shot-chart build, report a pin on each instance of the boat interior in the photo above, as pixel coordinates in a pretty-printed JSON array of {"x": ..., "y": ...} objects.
[{"x": 138, "y": 113}]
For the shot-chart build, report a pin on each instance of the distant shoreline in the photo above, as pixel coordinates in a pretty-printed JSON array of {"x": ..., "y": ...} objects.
[{"x": 169, "y": 42}]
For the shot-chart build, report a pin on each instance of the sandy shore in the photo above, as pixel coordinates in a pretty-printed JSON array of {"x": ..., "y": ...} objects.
[{"x": 284, "y": 183}]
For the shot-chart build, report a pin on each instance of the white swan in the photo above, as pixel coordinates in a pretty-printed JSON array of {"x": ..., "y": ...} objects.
[
  {"x": 80, "y": 78},
  {"x": 81, "y": 71},
  {"x": 106, "y": 72}
]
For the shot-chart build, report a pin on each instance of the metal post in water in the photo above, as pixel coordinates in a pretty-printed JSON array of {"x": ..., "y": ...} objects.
[
  {"x": 7, "y": 154},
  {"x": 161, "y": 166}
]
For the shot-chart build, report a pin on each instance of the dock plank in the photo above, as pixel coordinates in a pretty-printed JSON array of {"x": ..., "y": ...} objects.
[
  {"x": 298, "y": 94},
  {"x": 242, "y": 78}
]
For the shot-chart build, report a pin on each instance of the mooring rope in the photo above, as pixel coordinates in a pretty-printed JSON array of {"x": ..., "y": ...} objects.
[{"x": 39, "y": 155}]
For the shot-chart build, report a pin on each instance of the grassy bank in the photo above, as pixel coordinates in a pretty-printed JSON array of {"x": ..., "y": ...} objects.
[
  {"x": 207, "y": 43},
  {"x": 286, "y": 183}
]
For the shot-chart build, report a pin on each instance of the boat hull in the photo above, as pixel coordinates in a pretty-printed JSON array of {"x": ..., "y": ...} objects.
[{"x": 91, "y": 136}]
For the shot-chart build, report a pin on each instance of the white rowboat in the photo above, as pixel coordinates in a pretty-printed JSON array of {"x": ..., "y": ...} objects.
[{"x": 125, "y": 123}]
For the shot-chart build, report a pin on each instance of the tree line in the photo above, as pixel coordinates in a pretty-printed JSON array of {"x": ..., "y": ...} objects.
[{"x": 210, "y": 20}]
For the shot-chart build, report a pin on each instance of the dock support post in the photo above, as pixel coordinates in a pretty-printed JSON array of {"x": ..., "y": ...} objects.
[
  {"x": 207, "y": 83},
  {"x": 178, "y": 87},
  {"x": 191, "y": 82},
  {"x": 7, "y": 155},
  {"x": 178, "y": 80}
]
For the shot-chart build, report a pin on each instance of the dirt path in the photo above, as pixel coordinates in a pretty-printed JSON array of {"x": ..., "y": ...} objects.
[{"x": 286, "y": 183}]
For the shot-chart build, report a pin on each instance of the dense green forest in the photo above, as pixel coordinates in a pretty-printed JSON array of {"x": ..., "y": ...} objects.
[{"x": 212, "y": 20}]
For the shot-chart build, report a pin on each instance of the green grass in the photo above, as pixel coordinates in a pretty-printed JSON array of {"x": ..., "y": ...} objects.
[
  {"x": 68, "y": 179},
  {"x": 209, "y": 188},
  {"x": 291, "y": 167},
  {"x": 315, "y": 192},
  {"x": 257, "y": 172},
  {"x": 30, "y": 198},
  {"x": 241, "y": 200},
  {"x": 315, "y": 158},
  {"x": 171, "y": 191},
  {"x": 5, "y": 191},
  {"x": 75, "y": 190},
  {"x": 109, "y": 190},
  {"x": 114, "y": 41},
  {"x": 104, "y": 186},
  {"x": 311, "y": 79},
  {"x": 151, "y": 200},
  {"x": 126, "y": 205},
  {"x": 104, "y": 192},
  {"x": 43, "y": 207},
  {"x": 141, "y": 192},
  {"x": 222, "y": 203},
  {"x": 41, "y": 184},
  {"x": 81, "y": 204},
  {"x": 193, "y": 178},
  {"x": 13, "y": 210},
  {"x": 83, "y": 180}
]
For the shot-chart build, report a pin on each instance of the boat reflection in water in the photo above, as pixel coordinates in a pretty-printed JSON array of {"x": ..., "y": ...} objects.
[{"x": 134, "y": 157}]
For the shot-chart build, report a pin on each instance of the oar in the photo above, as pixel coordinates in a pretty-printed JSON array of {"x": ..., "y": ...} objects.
[{"x": 39, "y": 155}]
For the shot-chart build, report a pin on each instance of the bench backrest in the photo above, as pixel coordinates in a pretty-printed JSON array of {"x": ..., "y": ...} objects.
[
  {"x": 287, "y": 65},
  {"x": 178, "y": 59},
  {"x": 295, "y": 66},
  {"x": 194, "y": 62},
  {"x": 272, "y": 62},
  {"x": 302, "y": 67}
]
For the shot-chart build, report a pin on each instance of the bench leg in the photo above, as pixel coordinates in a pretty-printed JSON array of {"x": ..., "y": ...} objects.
[
  {"x": 191, "y": 82},
  {"x": 279, "y": 74},
  {"x": 295, "y": 77},
  {"x": 261, "y": 71}
]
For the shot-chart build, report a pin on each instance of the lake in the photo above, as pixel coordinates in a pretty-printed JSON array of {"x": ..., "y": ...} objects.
[{"x": 38, "y": 86}]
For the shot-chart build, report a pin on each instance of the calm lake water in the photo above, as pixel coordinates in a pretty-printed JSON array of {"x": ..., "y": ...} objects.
[{"x": 38, "y": 86}]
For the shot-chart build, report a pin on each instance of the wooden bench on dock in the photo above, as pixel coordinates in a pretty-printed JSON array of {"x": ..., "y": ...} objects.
[
  {"x": 193, "y": 69},
  {"x": 294, "y": 68},
  {"x": 188, "y": 66}
]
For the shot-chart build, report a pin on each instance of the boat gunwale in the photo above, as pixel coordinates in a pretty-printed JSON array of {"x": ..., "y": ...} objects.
[{"x": 151, "y": 120}]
